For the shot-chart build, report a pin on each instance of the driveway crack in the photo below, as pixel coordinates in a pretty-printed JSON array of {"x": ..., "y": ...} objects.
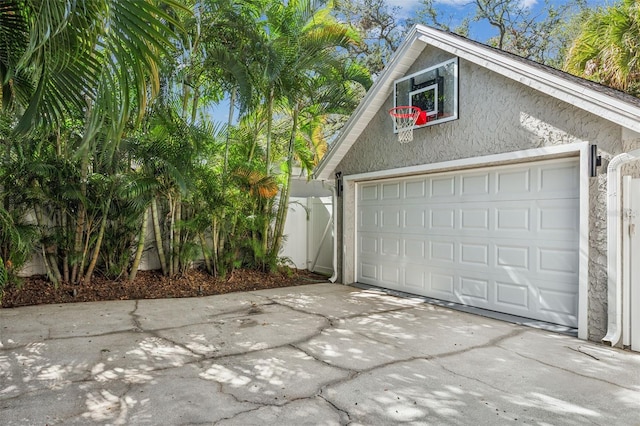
[
  {"x": 571, "y": 371},
  {"x": 136, "y": 318},
  {"x": 342, "y": 413}
]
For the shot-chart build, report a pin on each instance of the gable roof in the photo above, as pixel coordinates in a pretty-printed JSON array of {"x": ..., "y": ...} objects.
[{"x": 610, "y": 104}]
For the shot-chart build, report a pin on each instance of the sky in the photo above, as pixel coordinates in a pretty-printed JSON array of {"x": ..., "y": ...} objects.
[
  {"x": 452, "y": 9},
  {"x": 408, "y": 5}
]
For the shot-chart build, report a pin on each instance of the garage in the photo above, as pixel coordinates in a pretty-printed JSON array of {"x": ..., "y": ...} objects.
[{"x": 503, "y": 238}]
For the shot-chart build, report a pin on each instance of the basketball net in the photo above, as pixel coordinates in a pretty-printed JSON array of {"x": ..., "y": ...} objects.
[{"x": 405, "y": 118}]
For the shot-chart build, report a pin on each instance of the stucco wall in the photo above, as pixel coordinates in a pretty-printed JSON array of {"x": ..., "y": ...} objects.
[{"x": 497, "y": 115}]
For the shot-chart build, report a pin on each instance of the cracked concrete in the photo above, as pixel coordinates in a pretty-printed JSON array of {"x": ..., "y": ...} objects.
[{"x": 320, "y": 354}]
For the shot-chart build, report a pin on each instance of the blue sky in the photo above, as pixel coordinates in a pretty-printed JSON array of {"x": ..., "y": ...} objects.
[
  {"x": 460, "y": 8},
  {"x": 408, "y": 5}
]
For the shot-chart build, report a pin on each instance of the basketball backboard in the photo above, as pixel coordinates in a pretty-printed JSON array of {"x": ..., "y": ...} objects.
[{"x": 433, "y": 90}]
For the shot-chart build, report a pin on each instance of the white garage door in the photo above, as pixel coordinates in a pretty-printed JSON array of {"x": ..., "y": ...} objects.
[{"x": 501, "y": 238}]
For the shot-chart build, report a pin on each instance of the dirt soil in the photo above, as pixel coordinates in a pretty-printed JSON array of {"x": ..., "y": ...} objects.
[{"x": 151, "y": 285}]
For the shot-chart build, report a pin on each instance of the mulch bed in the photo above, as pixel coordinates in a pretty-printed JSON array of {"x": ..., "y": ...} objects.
[{"x": 151, "y": 285}]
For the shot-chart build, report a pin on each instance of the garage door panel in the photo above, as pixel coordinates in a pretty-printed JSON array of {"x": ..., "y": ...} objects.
[
  {"x": 474, "y": 219},
  {"x": 474, "y": 255},
  {"x": 415, "y": 189},
  {"x": 442, "y": 188},
  {"x": 510, "y": 219},
  {"x": 368, "y": 220},
  {"x": 369, "y": 192},
  {"x": 474, "y": 290},
  {"x": 442, "y": 218},
  {"x": 558, "y": 216},
  {"x": 414, "y": 279},
  {"x": 511, "y": 256},
  {"x": 368, "y": 272},
  {"x": 557, "y": 261},
  {"x": 390, "y": 246},
  {"x": 557, "y": 299},
  {"x": 441, "y": 285},
  {"x": 504, "y": 238},
  {"x": 390, "y": 219},
  {"x": 475, "y": 184},
  {"x": 514, "y": 183},
  {"x": 414, "y": 220},
  {"x": 442, "y": 251},
  {"x": 512, "y": 295},
  {"x": 558, "y": 179},
  {"x": 391, "y": 191},
  {"x": 414, "y": 249},
  {"x": 390, "y": 274},
  {"x": 368, "y": 244}
]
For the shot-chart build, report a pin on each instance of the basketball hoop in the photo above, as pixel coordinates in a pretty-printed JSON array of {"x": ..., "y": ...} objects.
[{"x": 405, "y": 118}]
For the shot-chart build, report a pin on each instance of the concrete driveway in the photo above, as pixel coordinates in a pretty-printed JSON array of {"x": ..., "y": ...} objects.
[{"x": 320, "y": 354}]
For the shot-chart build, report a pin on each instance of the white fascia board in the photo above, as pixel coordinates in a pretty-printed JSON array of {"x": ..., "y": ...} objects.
[
  {"x": 533, "y": 154},
  {"x": 400, "y": 62},
  {"x": 590, "y": 100}
]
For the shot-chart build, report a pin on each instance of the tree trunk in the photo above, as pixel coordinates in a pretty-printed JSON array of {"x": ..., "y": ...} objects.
[
  {"x": 216, "y": 252},
  {"x": 85, "y": 248},
  {"x": 205, "y": 255},
  {"x": 158, "y": 235},
  {"x": 194, "y": 105},
  {"x": 267, "y": 162},
  {"x": 76, "y": 272},
  {"x": 266, "y": 209},
  {"x": 140, "y": 249},
  {"x": 256, "y": 130},
  {"x": 172, "y": 225},
  {"x": 185, "y": 100},
  {"x": 177, "y": 241},
  {"x": 232, "y": 101},
  {"x": 47, "y": 268},
  {"x": 96, "y": 249},
  {"x": 65, "y": 258}
]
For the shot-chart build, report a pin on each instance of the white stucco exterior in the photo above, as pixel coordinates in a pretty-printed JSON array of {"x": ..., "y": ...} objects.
[{"x": 501, "y": 119}]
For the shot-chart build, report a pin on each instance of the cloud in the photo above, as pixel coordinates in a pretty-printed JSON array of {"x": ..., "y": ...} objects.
[
  {"x": 407, "y": 7},
  {"x": 528, "y": 4},
  {"x": 405, "y": 4},
  {"x": 410, "y": 4},
  {"x": 453, "y": 2}
]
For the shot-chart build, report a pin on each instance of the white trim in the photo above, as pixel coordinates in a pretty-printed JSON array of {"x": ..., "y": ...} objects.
[
  {"x": 614, "y": 249},
  {"x": 473, "y": 162},
  {"x": 626, "y": 258},
  {"x": 580, "y": 149}
]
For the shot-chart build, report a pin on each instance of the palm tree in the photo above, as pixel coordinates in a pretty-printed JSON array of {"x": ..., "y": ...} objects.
[
  {"x": 275, "y": 67},
  {"x": 302, "y": 48},
  {"x": 95, "y": 62},
  {"x": 60, "y": 57},
  {"x": 607, "y": 50}
]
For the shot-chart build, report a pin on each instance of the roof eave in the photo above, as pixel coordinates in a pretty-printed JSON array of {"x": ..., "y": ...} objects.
[{"x": 608, "y": 107}]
